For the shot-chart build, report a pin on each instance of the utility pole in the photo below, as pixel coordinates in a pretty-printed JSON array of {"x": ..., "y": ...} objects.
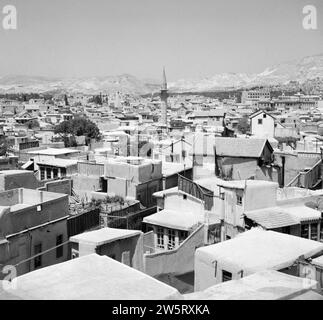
[
  {"x": 283, "y": 172},
  {"x": 216, "y": 166}
]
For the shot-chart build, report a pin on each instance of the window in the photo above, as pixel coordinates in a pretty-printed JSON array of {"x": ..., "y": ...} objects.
[
  {"x": 259, "y": 121},
  {"x": 226, "y": 276},
  {"x": 48, "y": 173},
  {"x": 305, "y": 231},
  {"x": 239, "y": 200},
  {"x": 184, "y": 196},
  {"x": 321, "y": 232},
  {"x": 265, "y": 116},
  {"x": 59, "y": 249},
  {"x": 314, "y": 229},
  {"x": 171, "y": 239},
  {"x": 37, "y": 260},
  {"x": 63, "y": 172},
  {"x": 55, "y": 172},
  {"x": 42, "y": 174},
  {"x": 182, "y": 236},
  {"x": 160, "y": 238}
]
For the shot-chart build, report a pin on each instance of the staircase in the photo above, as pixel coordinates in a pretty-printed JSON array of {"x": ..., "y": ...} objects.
[
  {"x": 311, "y": 179},
  {"x": 75, "y": 196}
]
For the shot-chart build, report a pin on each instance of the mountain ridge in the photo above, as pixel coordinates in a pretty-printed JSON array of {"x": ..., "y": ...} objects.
[{"x": 300, "y": 70}]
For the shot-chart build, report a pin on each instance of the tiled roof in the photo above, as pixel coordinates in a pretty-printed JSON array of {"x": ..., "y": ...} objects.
[
  {"x": 239, "y": 147},
  {"x": 260, "y": 112},
  {"x": 277, "y": 217},
  {"x": 272, "y": 218},
  {"x": 203, "y": 144}
]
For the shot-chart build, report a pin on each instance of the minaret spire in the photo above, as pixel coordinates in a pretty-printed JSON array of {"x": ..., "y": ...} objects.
[
  {"x": 163, "y": 97},
  {"x": 164, "y": 86}
]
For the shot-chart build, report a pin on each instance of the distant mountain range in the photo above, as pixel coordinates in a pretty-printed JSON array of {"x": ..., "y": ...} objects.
[
  {"x": 93, "y": 85},
  {"x": 307, "y": 68},
  {"x": 302, "y": 70}
]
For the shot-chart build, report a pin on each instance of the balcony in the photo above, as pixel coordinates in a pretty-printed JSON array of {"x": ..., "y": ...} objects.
[{"x": 195, "y": 190}]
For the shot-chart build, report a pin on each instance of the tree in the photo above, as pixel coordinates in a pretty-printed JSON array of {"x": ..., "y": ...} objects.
[
  {"x": 96, "y": 100},
  {"x": 31, "y": 124},
  {"x": 66, "y": 100},
  {"x": 77, "y": 127},
  {"x": 243, "y": 125},
  {"x": 5, "y": 146}
]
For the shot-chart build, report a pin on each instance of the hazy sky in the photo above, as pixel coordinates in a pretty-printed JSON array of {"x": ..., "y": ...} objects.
[{"x": 191, "y": 38}]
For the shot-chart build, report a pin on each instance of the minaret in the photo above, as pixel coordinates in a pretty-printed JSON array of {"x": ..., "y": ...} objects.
[{"x": 163, "y": 98}]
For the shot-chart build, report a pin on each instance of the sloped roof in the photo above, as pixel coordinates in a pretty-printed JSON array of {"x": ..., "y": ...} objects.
[
  {"x": 272, "y": 218},
  {"x": 240, "y": 147},
  {"x": 203, "y": 143},
  {"x": 318, "y": 261},
  {"x": 260, "y": 112},
  {"x": 283, "y": 216}
]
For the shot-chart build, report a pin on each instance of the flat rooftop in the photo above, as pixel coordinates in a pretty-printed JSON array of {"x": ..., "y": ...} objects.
[
  {"x": 212, "y": 182},
  {"x": 62, "y": 163},
  {"x": 309, "y": 295},
  {"x": 53, "y": 151},
  {"x": 136, "y": 161},
  {"x": 161, "y": 193},
  {"x": 91, "y": 277},
  {"x": 263, "y": 285},
  {"x": 256, "y": 250},
  {"x": 170, "y": 168},
  {"x": 21, "y": 198},
  {"x": 14, "y": 172},
  {"x": 173, "y": 219},
  {"x": 104, "y": 235}
]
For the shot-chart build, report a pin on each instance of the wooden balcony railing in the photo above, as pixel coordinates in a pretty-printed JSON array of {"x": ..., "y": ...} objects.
[
  {"x": 308, "y": 179},
  {"x": 193, "y": 189}
]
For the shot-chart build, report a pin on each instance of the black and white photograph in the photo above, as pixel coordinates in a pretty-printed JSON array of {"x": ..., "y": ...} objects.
[{"x": 161, "y": 150}]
